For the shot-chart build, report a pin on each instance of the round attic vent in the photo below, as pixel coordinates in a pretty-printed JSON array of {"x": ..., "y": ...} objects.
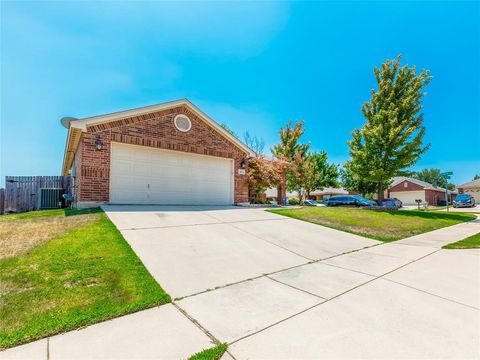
[{"x": 182, "y": 123}]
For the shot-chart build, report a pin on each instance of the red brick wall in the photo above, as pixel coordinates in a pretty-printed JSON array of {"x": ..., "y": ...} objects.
[
  {"x": 154, "y": 130},
  {"x": 434, "y": 196},
  {"x": 77, "y": 163},
  {"x": 410, "y": 186}
]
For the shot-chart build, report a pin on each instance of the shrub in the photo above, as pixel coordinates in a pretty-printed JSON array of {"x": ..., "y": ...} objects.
[{"x": 293, "y": 201}]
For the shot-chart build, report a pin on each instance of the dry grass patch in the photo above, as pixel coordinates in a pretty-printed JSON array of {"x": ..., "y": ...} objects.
[
  {"x": 19, "y": 234},
  {"x": 86, "y": 274}
]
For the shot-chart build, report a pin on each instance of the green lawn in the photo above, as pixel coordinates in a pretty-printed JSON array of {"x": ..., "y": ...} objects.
[
  {"x": 471, "y": 242},
  {"x": 379, "y": 225},
  {"x": 85, "y": 273},
  {"x": 214, "y": 353}
]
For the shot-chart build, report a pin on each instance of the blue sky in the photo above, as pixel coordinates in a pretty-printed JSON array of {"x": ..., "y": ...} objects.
[{"x": 252, "y": 65}]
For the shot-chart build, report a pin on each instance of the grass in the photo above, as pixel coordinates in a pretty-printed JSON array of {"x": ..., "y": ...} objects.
[
  {"x": 21, "y": 232},
  {"x": 71, "y": 278},
  {"x": 471, "y": 242},
  {"x": 380, "y": 225},
  {"x": 213, "y": 353}
]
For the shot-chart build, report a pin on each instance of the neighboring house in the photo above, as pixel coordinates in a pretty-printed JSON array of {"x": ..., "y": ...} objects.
[
  {"x": 408, "y": 190},
  {"x": 326, "y": 193},
  {"x": 314, "y": 195},
  {"x": 471, "y": 188},
  {"x": 170, "y": 153}
]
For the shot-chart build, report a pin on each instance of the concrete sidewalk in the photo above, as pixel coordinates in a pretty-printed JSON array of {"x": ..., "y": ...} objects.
[{"x": 444, "y": 236}]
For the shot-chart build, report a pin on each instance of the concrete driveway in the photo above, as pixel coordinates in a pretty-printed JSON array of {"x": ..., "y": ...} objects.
[
  {"x": 189, "y": 250},
  {"x": 278, "y": 288}
]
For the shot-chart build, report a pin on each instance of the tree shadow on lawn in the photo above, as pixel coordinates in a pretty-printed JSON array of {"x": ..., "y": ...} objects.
[{"x": 434, "y": 215}]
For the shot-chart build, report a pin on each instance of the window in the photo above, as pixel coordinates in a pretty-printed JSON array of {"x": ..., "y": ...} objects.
[
  {"x": 405, "y": 184},
  {"x": 182, "y": 123}
]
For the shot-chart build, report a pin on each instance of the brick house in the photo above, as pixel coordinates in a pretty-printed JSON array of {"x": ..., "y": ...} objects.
[
  {"x": 408, "y": 190},
  {"x": 169, "y": 153},
  {"x": 471, "y": 188}
]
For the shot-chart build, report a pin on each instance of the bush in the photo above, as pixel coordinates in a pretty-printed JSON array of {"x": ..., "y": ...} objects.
[{"x": 293, "y": 201}]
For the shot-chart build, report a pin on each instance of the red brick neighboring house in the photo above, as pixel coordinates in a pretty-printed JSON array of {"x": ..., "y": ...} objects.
[
  {"x": 408, "y": 190},
  {"x": 170, "y": 153}
]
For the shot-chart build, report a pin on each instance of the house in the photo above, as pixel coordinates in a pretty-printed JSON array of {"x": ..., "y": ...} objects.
[
  {"x": 408, "y": 190},
  {"x": 471, "y": 188},
  {"x": 319, "y": 195},
  {"x": 325, "y": 194},
  {"x": 169, "y": 153}
]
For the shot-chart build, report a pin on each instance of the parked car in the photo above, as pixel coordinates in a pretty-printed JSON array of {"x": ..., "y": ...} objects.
[
  {"x": 313, "y": 203},
  {"x": 349, "y": 200},
  {"x": 391, "y": 203},
  {"x": 464, "y": 200}
]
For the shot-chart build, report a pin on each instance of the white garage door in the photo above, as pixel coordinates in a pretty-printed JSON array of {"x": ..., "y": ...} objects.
[
  {"x": 408, "y": 197},
  {"x": 475, "y": 193},
  {"x": 143, "y": 175}
]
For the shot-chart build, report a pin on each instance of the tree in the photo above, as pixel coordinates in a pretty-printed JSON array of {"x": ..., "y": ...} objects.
[
  {"x": 316, "y": 173},
  {"x": 434, "y": 177},
  {"x": 477, "y": 176},
  {"x": 262, "y": 174},
  {"x": 391, "y": 138},
  {"x": 253, "y": 142},
  {"x": 351, "y": 182},
  {"x": 327, "y": 173},
  {"x": 291, "y": 150}
]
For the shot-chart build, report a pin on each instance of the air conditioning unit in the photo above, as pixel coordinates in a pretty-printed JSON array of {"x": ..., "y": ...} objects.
[{"x": 51, "y": 198}]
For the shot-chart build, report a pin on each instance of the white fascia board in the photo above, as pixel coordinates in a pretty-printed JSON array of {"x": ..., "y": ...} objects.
[{"x": 83, "y": 123}]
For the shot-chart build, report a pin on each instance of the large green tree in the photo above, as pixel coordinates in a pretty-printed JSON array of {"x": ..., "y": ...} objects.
[
  {"x": 392, "y": 137},
  {"x": 354, "y": 183},
  {"x": 328, "y": 173},
  {"x": 433, "y": 176}
]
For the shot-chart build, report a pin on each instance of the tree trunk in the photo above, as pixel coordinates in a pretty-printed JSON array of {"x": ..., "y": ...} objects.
[
  {"x": 380, "y": 193},
  {"x": 299, "y": 193}
]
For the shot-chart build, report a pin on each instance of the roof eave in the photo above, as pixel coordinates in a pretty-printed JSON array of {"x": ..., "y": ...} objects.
[{"x": 85, "y": 122}]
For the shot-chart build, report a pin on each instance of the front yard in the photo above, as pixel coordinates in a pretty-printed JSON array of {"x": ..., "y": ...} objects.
[
  {"x": 61, "y": 270},
  {"x": 379, "y": 225},
  {"x": 471, "y": 242}
]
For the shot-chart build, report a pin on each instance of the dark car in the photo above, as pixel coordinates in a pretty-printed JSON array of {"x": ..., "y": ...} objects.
[
  {"x": 349, "y": 200},
  {"x": 464, "y": 200},
  {"x": 391, "y": 203}
]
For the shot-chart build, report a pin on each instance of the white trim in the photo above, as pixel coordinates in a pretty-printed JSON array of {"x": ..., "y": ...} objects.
[{"x": 83, "y": 123}]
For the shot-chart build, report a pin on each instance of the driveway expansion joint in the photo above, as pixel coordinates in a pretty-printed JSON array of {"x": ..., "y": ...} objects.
[
  {"x": 196, "y": 323},
  {"x": 429, "y": 293},
  {"x": 296, "y": 288},
  {"x": 200, "y": 224},
  {"x": 332, "y": 298}
]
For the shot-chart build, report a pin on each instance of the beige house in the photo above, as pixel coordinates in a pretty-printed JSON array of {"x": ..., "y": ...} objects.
[{"x": 471, "y": 188}]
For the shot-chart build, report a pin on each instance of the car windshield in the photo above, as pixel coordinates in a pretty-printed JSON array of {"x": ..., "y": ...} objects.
[{"x": 462, "y": 197}]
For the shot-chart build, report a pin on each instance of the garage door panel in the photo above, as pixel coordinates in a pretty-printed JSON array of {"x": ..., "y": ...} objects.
[
  {"x": 142, "y": 175},
  {"x": 408, "y": 197}
]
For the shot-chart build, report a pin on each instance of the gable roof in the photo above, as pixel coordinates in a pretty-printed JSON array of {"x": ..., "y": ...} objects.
[
  {"x": 427, "y": 186},
  {"x": 474, "y": 183},
  {"x": 76, "y": 126}
]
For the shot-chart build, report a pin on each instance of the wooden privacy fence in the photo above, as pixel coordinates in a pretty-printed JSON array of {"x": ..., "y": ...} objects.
[
  {"x": 2, "y": 201},
  {"x": 22, "y": 193}
]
